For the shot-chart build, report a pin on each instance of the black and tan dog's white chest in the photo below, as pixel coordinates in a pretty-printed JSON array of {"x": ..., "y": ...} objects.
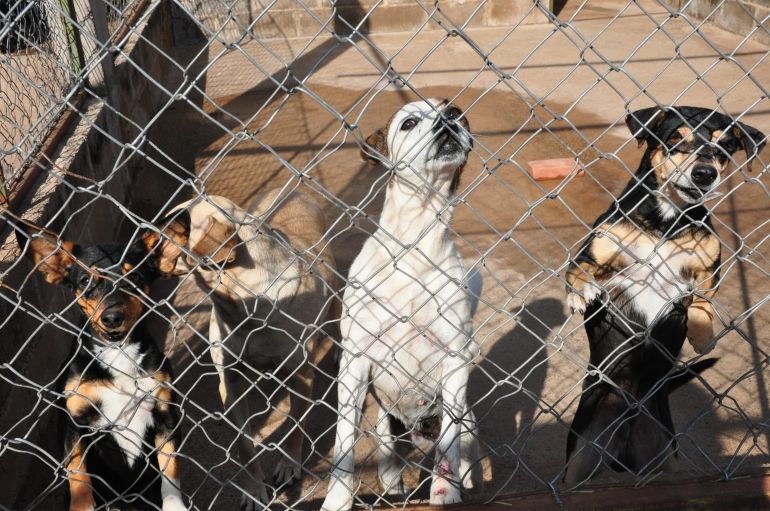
[
  {"x": 121, "y": 405},
  {"x": 645, "y": 274}
]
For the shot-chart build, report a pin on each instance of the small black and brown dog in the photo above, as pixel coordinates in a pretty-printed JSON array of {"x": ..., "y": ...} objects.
[
  {"x": 116, "y": 384},
  {"x": 644, "y": 280}
]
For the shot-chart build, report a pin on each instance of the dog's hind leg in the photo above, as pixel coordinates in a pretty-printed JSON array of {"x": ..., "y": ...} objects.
[
  {"x": 390, "y": 465},
  {"x": 170, "y": 492},
  {"x": 81, "y": 493},
  {"x": 593, "y": 420},
  {"x": 237, "y": 404},
  {"x": 583, "y": 462},
  {"x": 655, "y": 447},
  {"x": 300, "y": 395},
  {"x": 82, "y": 397},
  {"x": 471, "y": 470}
]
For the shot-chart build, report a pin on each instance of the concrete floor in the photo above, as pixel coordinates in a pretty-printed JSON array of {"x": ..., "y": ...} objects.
[{"x": 581, "y": 92}]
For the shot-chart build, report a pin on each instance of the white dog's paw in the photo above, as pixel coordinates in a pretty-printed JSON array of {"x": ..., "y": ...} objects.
[
  {"x": 578, "y": 301},
  {"x": 286, "y": 472},
  {"x": 337, "y": 501},
  {"x": 173, "y": 503},
  {"x": 444, "y": 491}
]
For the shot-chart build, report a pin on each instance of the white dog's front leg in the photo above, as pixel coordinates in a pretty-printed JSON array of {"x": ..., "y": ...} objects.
[
  {"x": 352, "y": 384},
  {"x": 470, "y": 468},
  {"x": 390, "y": 465},
  {"x": 445, "y": 487}
]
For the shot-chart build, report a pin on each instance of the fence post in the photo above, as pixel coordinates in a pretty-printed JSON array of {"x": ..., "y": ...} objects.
[
  {"x": 102, "y": 33},
  {"x": 75, "y": 45}
]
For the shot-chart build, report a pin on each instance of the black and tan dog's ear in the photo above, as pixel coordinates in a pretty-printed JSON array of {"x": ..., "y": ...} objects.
[
  {"x": 643, "y": 124},
  {"x": 167, "y": 241},
  {"x": 52, "y": 256},
  {"x": 218, "y": 242},
  {"x": 379, "y": 143},
  {"x": 751, "y": 140}
]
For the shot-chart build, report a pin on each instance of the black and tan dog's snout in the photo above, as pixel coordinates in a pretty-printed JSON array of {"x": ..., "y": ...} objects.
[
  {"x": 114, "y": 317},
  {"x": 703, "y": 175}
]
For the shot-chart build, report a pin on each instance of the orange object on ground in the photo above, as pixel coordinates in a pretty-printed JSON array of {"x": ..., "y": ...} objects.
[{"x": 557, "y": 168}]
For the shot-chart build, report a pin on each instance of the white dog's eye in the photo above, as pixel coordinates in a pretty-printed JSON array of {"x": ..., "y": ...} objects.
[{"x": 409, "y": 124}]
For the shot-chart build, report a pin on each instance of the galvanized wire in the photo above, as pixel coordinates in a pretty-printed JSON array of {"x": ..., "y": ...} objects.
[{"x": 55, "y": 52}]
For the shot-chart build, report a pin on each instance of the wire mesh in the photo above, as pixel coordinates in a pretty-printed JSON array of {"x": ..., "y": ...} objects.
[
  {"x": 302, "y": 284},
  {"x": 32, "y": 82}
]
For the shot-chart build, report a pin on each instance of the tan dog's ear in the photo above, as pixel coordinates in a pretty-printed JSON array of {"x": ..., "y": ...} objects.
[
  {"x": 378, "y": 142},
  {"x": 167, "y": 244},
  {"x": 218, "y": 242},
  {"x": 52, "y": 256}
]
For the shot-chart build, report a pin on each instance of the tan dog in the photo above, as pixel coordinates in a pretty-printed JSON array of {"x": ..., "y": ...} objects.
[{"x": 272, "y": 289}]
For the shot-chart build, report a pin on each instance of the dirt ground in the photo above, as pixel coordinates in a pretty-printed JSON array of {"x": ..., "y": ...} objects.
[{"x": 520, "y": 233}]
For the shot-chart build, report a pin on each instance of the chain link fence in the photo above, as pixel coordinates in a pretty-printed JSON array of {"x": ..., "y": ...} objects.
[
  {"x": 219, "y": 145},
  {"x": 50, "y": 53}
]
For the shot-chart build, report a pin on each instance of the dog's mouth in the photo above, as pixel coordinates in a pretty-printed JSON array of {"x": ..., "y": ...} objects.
[
  {"x": 691, "y": 191},
  {"x": 113, "y": 335},
  {"x": 448, "y": 147},
  {"x": 694, "y": 194}
]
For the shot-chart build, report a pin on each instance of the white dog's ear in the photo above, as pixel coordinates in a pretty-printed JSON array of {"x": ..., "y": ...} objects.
[
  {"x": 378, "y": 142},
  {"x": 218, "y": 242}
]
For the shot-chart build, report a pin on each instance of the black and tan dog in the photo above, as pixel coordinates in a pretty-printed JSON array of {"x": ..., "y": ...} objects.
[
  {"x": 122, "y": 421},
  {"x": 644, "y": 279}
]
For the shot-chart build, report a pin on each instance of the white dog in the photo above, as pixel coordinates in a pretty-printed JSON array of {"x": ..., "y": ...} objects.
[
  {"x": 406, "y": 322},
  {"x": 272, "y": 287}
]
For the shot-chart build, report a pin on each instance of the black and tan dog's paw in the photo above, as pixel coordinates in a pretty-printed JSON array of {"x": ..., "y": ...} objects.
[
  {"x": 578, "y": 300},
  {"x": 700, "y": 330}
]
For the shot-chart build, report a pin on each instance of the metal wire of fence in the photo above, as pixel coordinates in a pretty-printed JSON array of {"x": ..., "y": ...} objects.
[
  {"x": 32, "y": 83},
  {"x": 51, "y": 52},
  {"x": 338, "y": 333}
]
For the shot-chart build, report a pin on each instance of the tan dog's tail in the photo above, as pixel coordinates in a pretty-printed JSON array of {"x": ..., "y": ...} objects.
[
  {"x": 331, "y": 334},
  {"x": 333, "y": 316}
]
